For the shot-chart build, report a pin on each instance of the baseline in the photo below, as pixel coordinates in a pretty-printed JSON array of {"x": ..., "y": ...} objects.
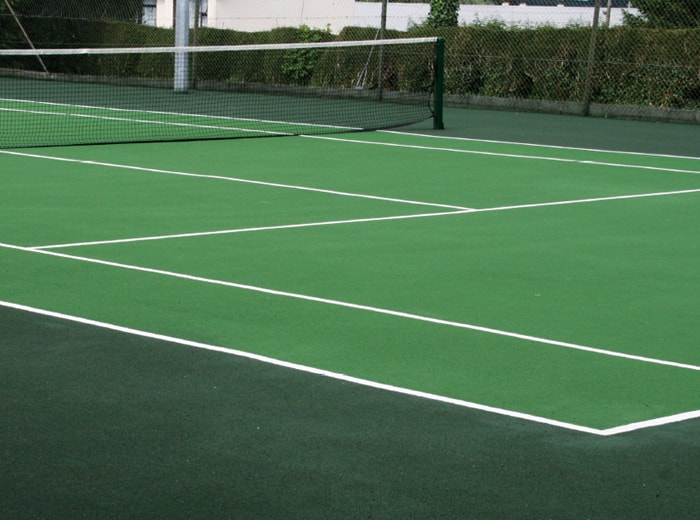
[
  {"x": 537, "y": 145},
  {"x": 363, "y": 220},
  {"x": 626, "y": 428}
]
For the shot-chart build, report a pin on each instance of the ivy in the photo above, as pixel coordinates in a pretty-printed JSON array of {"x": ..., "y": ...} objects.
[{"x": 443, "y": 13}]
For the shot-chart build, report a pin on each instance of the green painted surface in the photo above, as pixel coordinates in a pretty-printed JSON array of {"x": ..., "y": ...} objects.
[
  {"x": 99, "y": 424},
  {"x": 618, "y": 275}
]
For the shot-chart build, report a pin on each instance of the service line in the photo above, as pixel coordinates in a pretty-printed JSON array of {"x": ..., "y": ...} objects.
[{"x": 364, "y": 220}]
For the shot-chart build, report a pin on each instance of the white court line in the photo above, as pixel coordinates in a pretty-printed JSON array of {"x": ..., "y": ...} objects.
[
  {"x": 233, "y": 179},
  {"x": 363, "y": 382},
  {"x": 537, "y": 145},
  {"x": 356, "y": 306},
  {"x": 362, "y": 220},
  {"x": 148, "y": 121},
  {"x": 458, "y": 209},
  {"x": 604, "y": 432},
  {"x": 253, "y": 229},
  {"x": 500, "y": 154},
  {"x": 651, "y": 423},
  {"x": 341, "y": 128},
  {"x": 167, "y": 113},
  {"x": 171, "y": 123}
]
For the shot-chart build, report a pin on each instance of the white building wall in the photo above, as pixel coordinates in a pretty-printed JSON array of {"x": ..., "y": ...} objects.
[
  {"x": 164, "y": 13},
  {"x": 401, "y": 16},
  {"x": 262, "y": 15}
]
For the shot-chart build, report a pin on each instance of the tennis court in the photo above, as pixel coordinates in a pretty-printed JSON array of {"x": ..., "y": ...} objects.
[{"x": 229, "y": 326}]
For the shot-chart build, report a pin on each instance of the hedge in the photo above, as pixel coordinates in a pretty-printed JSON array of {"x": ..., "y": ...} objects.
[{"x": 633, "y": 66}]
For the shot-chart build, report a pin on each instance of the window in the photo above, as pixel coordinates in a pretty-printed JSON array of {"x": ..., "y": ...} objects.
[
  {"x": 203, "y": 12},
  {"x": 148, "y": 16}
]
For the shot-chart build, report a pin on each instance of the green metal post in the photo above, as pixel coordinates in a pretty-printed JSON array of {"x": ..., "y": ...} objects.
[{"x": 438, "y": 123}]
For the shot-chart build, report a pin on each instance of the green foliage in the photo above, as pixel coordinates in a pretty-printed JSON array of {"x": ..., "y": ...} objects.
[
  {"x": 50, "y": 22},
  {"x": 634, "y": 66},
  {"x": 247, "y": 67},
  {"x": 443, "y": 13},
  {"x": 665, "y": 14},
  {"x": 365, "y": 33},
  {"x": 358, "y": 69},
  {"x": 650, "y": 67},
  {"x": 80, "y": 9},
  {"x": 299, "y": 64}
]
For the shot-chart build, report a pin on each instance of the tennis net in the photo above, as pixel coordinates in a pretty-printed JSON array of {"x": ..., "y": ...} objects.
[{"x": 52, "y": 97}]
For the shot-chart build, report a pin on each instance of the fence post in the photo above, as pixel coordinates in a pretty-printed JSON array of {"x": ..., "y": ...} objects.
[{"x": 591, "y": 61}]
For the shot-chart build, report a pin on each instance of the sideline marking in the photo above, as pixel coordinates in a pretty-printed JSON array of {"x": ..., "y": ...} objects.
[
  {"x": 538, "y": 145},
  {"x": 232, "y": 179},
  {"x": 361, "y": 307},
  {"x": 362, "y": 220},
  {"x": 501, "y": 154},
  {"x": 359, "y": 381}
]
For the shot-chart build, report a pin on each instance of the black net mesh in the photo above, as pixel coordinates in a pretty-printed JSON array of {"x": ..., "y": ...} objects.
[{"x": 61, "y": 97}]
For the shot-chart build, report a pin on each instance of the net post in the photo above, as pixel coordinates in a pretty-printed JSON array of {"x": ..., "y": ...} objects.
[
  {"x": 439, "y": 86},
  {"x": 182, "y": 33}
]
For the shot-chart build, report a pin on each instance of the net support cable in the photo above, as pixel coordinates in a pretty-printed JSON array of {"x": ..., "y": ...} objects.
[{"x": 24, "y": 33}]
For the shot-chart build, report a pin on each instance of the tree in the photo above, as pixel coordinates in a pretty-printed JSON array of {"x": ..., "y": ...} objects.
[
  {"x": 443, "y": 13},
  {"x": 78, "y": 9},
  {"x": 42, "y": 19},
  {"x": 665, "y": 14}
]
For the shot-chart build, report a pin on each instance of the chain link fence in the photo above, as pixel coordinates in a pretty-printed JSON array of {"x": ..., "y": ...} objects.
[
  {"x": 625, "y": 59},
  {"x": 638, "y": 59}
]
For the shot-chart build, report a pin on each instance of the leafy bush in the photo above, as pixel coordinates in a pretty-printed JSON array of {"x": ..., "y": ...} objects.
[
  {"x": 665, "y": 14},
  {"x": 299, "y": 64},
  {"x": 443, "y": 13},
  {"x": 635, "y": 66}
]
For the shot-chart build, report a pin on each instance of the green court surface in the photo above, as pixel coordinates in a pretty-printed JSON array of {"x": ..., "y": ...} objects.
[{"x": 353, "y": 325}]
